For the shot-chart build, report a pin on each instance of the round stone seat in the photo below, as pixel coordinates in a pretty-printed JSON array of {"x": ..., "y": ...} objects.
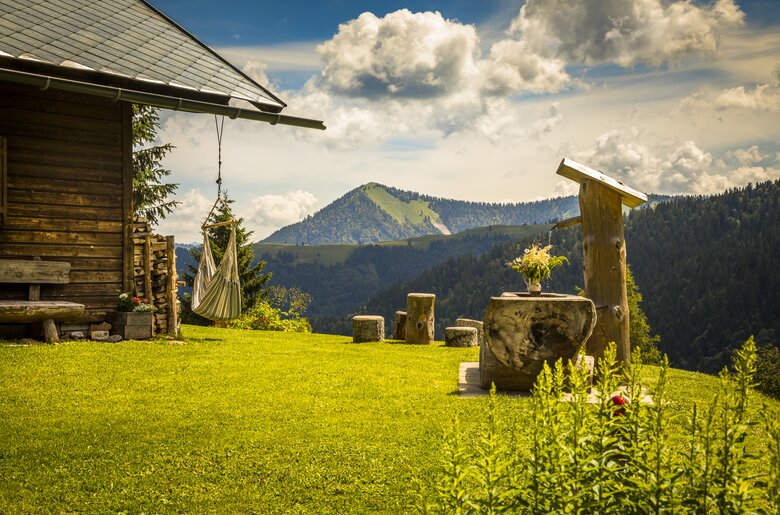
[
  {"x": 461, "y": 337},
  {"x": 368, "y": 328},
  {"x": 476, "y": 324}
]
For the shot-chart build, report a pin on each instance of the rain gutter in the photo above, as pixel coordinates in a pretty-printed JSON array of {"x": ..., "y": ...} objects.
[{"x": 167, "y": 102}]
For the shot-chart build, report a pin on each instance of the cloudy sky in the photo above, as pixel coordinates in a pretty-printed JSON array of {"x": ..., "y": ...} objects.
[{"x": 480, "y": 100}]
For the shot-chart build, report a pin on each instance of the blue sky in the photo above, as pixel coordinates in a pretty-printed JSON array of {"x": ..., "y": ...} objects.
[{"x": 480, "y": 100}]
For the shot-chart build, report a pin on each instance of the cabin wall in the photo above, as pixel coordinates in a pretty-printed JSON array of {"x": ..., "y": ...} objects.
[{"x": 69, "y": 160}]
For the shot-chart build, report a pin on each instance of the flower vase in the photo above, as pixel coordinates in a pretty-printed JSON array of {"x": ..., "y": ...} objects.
[{"x": 534, "y": 288}]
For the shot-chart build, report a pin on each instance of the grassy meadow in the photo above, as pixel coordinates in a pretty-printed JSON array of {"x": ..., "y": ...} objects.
[{"x": 238, "y": 421}]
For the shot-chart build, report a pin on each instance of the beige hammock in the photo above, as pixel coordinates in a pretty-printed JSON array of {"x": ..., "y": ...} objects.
[{"x": 216, "y": 293}]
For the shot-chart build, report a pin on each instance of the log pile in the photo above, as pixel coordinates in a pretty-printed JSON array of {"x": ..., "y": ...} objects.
[{"x": 154, "y": 262}]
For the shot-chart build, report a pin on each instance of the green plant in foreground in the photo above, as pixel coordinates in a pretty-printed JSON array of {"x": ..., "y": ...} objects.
[{"x": 610, "y": 450}]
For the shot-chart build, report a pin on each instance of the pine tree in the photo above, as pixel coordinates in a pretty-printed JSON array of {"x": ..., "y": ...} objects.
[
  {"x": 639, "y": 329},
  {"x": 251, "y": 276},
  {"x": 150, "y": 194}
]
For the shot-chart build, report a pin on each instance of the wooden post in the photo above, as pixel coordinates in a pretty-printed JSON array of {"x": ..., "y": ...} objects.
[
  {"x": 148, "y": 272},
  {"x": 170, "y": 290},
  {"x": 50, "y": 332},
  {"x": 604, "y": 264},
  {"x": 604, "y": 253},
  {"x": 127, "y": 196}
]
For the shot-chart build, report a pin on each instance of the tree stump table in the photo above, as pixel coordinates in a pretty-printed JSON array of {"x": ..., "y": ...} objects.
[
  {"x": 368, "y": 328},
  {"x": 419, "y": 318},
  {"x": 524, "y": 332}
]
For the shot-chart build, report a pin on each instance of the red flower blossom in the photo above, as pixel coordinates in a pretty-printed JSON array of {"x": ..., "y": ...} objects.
[
  {"x": 136, "y": 300},
  {"x": 619, "y": 400}
]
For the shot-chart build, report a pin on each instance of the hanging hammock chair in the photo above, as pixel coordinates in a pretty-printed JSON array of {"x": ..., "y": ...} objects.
[{"x": 216, "y": 292}]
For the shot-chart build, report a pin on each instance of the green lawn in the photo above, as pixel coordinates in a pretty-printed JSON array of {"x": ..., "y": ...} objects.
[{"x": 233, "y": 421}]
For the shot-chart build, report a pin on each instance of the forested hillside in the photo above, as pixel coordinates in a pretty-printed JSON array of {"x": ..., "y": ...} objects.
[
  {"x": 373, "y": 213},
  {"x": 707, "y": 267},
  {"x": 341, "y": 278}
]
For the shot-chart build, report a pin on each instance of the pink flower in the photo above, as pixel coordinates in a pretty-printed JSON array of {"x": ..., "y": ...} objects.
[{"x": 136, "y": 300}]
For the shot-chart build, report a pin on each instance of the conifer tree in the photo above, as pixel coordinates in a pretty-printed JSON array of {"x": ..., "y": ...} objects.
[
  {"x": 150, "y": 193},
  {"x": 639, "y": 328}
]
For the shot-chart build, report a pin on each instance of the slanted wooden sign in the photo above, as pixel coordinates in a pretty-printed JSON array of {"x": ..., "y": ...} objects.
[{"x": 604, "y": 253}]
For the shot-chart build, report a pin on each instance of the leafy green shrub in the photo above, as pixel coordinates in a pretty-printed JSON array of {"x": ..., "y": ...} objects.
[
  {"x": 282, "y": 310},
  {"x": 607, "y": 451}
]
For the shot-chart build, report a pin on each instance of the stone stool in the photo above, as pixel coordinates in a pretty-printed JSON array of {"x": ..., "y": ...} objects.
[
  {"x": 476, "y": 324},
  {"x": 460, "y": 337},
  {"x": 368, "y": 328}
]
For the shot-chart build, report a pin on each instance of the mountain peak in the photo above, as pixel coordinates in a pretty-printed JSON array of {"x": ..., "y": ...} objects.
[{"x": 374, "y": 212}]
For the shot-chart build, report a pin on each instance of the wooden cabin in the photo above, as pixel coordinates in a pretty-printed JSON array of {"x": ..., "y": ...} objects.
[{"x": 69, "y": 73}]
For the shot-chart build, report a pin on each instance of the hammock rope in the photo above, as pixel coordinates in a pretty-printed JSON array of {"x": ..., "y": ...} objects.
[{"x": 216, "y": 292}]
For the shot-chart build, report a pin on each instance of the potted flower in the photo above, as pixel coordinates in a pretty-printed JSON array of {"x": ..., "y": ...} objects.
[
  {"x": 134, "y": 317},
  {"x": 535, "y": 265}
]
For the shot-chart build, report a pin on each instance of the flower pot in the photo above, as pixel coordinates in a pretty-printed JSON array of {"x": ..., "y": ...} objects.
[{"x": 133, "y": 325}]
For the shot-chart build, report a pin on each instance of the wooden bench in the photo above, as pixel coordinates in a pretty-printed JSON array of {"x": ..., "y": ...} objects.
[{"x": 36, "y": 272}]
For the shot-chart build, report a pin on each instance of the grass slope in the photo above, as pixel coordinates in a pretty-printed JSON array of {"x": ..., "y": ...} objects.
[
  {"x": 414, "y": 212},
  {"x": 235, "y": 421}
]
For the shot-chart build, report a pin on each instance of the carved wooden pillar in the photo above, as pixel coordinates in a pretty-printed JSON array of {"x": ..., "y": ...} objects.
[{"x": 604, "y": 263}]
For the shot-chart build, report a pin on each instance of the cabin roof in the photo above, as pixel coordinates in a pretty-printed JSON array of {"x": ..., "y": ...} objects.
[{"x": 121, "y": 42}]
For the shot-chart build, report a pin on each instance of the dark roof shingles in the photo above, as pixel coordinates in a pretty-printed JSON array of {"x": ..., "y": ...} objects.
[{"x": 118, "y": 36}]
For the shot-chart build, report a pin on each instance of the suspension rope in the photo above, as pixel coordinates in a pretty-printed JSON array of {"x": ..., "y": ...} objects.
[{"x": 220, "y": 126}]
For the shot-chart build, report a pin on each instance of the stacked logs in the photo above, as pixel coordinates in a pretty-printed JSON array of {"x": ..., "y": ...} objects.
[{"x": 154, "y": 263}]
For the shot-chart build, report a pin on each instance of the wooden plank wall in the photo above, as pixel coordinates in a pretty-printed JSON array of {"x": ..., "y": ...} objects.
[{"x": 68, "y": 193}]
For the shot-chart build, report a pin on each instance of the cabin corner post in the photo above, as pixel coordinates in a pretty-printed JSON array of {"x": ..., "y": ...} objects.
[
  {"x": 604, "y": 267},
  {"x": 127, "y": 196}
]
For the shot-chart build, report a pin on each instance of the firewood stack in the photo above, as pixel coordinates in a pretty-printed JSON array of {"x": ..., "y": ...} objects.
[{"x": 154, "y": 261}]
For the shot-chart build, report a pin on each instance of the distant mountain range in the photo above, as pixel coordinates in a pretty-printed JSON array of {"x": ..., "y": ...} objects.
[{"x": 373, "y": 213}]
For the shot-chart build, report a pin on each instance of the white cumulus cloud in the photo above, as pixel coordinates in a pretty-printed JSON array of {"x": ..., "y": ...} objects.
[
  {"x": 762, "y": 97},
  {"x": 625, "y": 32},
  {"x": 664, "y": 167},
  {"x": 270, "y": 212},
  {"x": 513, "y": 67},
  {"x": 403, "y": 54},
  {"x": 186, "y": 219}
]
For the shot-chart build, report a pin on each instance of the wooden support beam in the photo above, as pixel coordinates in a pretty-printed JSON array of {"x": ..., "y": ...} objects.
[
  {"x": 219, "y": 224},
  {"x": 604, "y": 263},
  {"x": 170, "y": 296},
  {"x": 127, "y": 195},
  {"x": 148, "y": 271},
  {"x": 3, "y": 181}
]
